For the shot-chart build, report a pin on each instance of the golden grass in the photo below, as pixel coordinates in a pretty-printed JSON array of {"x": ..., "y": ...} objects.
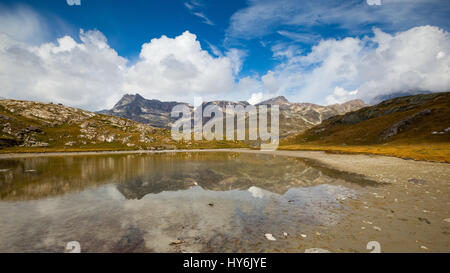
[{"x": 439, "y": 152}]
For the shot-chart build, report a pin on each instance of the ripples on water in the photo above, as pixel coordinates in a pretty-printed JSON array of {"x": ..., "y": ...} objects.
[{"x": 213, "y": 202}]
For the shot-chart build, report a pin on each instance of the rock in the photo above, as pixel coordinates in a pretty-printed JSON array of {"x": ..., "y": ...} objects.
[
  {"x": 377, "y": 228},
  {"x": 40, "y": 144},
  {"x": 270, "y": 237},
  {"x": 403, "y": 124},
  {"x": 176, "y": 242},
  {"x": 4, "y": 117},
  {"x": 70, "y": 143},
  {"x": 110, "y": 139},
  {"x": 33, "y": 129},
  {"x": 416, "y": 181},
  {"x": 447, "y": 220},
  {"x": 303, "y": 235},
  {"x": 317, "y": 250}
]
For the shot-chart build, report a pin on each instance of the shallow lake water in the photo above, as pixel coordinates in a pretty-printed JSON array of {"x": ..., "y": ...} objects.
[{"x": 175, "y": 202}]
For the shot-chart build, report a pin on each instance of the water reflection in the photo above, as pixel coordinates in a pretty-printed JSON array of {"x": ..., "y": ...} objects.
[{"x": 141, "y": 203}]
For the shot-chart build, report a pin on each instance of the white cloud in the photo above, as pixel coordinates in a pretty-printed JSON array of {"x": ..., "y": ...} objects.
[
  {"x": 263, "y": 17},
  {"x": 178, "y": 68},
  {"x": 88, "y": 73},
  {"x": 22, "y": 24},
  {"x": 302, "y": 37},
  {"x": 91, "y": 75},
  {"x": 341, "y": 95},
  {"x": 406, "y": 61},
  {"x": 374, "y": 2},
  {"x": 256, "y": 98},
  {"x": 414, "y": 60},
  {"x": 72, "y": 73},
  {"x": 195, "y": 8},
  {"x": 206, "y": 20}
]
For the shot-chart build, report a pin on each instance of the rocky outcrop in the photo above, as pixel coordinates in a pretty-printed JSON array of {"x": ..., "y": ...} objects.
[
  {"x": 404, "y": 123},
  {"x": 152, "y": 112}
]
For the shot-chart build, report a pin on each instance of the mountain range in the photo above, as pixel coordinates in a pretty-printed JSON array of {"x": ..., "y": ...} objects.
[{"x": 294, "y": 117}]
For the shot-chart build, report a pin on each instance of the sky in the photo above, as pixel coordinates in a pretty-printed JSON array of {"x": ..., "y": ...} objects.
[{"x": 89, "y": 53}]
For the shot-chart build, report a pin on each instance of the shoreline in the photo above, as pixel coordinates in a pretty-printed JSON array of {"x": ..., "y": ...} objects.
[{"x": 378, "y": 168}]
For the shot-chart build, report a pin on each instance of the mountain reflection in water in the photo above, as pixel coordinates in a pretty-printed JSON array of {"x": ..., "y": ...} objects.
[{"x": 141, "y": 203}]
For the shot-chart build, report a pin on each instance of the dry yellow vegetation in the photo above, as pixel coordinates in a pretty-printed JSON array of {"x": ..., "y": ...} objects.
[{"x": 439, "y": 152}]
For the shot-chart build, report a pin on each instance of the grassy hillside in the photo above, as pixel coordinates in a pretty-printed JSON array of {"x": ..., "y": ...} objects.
[
  {"x": 415, "y": 127},
  {"x": 27, "y": 126}
]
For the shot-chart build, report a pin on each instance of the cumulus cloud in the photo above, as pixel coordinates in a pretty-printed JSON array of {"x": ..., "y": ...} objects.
[
  {"x": 69, "y": 72},
  {"x": 179, "y": 67},
  {"x": 256, "y": 98},
  {"x": 88, "y": 73},
  {"x": 341, "y": 95},
  {"x": 413, "y": 60},
  {"x": 77, "y": 72}
]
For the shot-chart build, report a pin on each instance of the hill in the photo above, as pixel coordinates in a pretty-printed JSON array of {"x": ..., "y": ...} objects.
[
  {"x": 27, "y": 126},
  {"x": 411, "y": 127}
]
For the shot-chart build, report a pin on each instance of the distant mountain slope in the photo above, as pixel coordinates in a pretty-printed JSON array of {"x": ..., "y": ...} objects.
[
  {"x": 294, "y": 117},
  {"x": 298, "y": 117},
  {"x": 411, "y": 119},
  {"x": 153, "y": 112}
]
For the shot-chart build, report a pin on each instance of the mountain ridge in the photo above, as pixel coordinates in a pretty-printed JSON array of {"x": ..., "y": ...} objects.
[{"x": 294, "y": 117}]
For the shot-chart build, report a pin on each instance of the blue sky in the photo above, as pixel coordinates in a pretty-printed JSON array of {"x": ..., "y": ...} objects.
[{"x": 315, "y": 51}]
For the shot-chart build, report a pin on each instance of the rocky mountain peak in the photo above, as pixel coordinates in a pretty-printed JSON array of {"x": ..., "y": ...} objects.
[
  {"x": 128, "y": 98},
  {"x": 280, "y": 100}
]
